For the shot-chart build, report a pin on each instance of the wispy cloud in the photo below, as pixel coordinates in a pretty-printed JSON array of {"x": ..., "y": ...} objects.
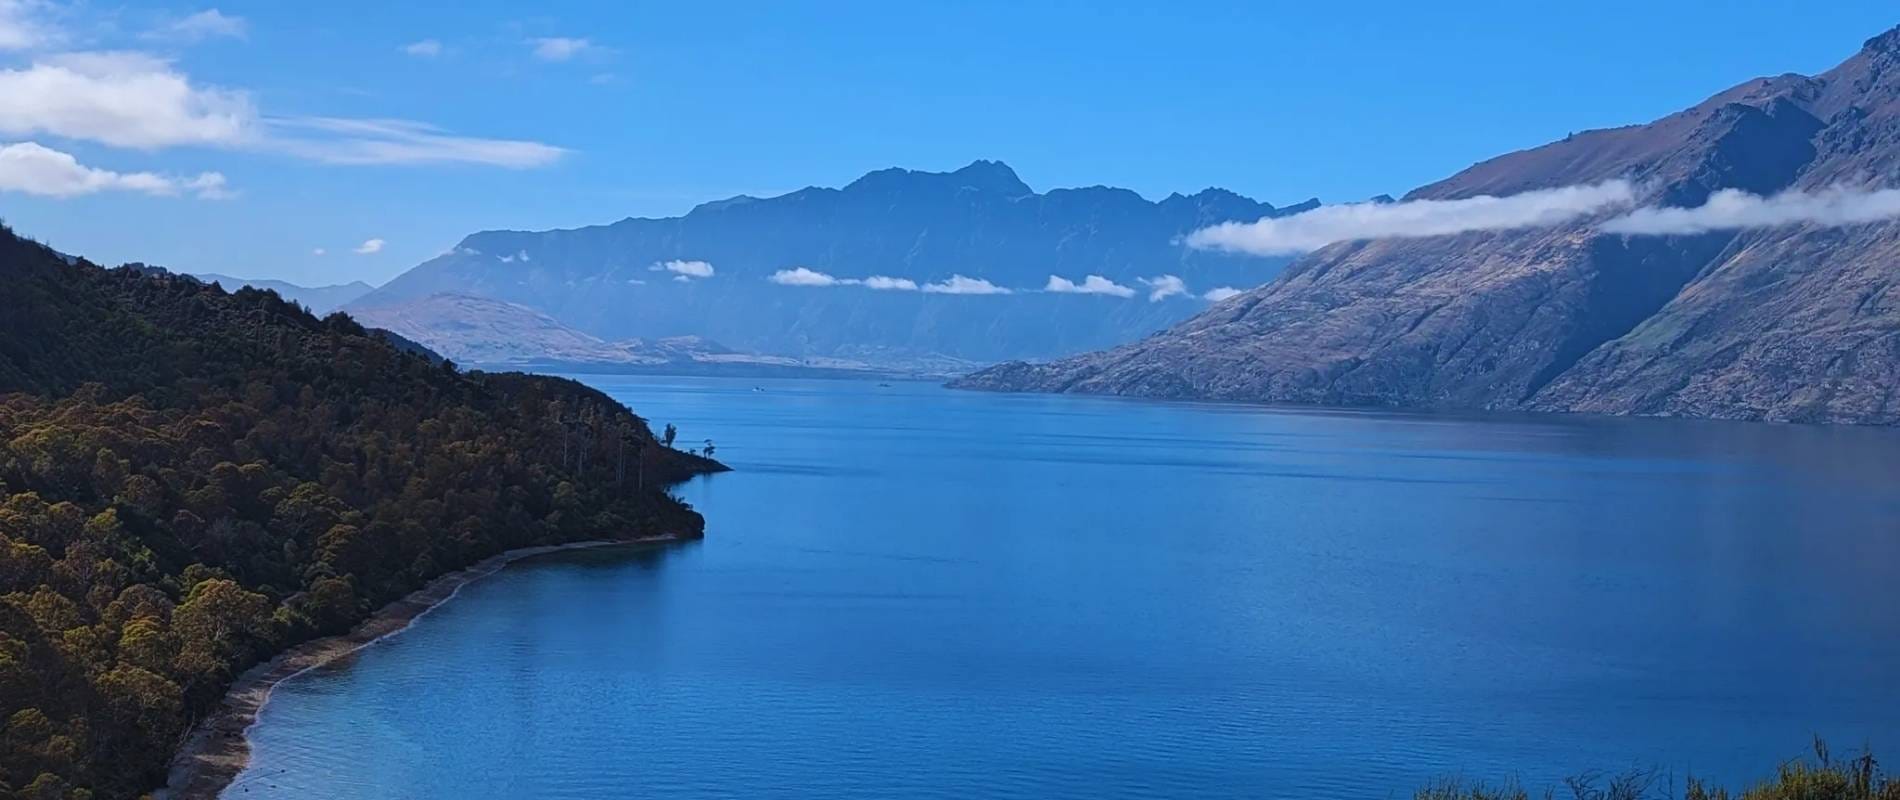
[
  {"x": 1314, "y": 229},
  {"x": 23, "y": 26},
  {"x": 135, "y": 100},
  {"x": 1733, "y": 209},
  {"x": 1222, "y": 293},
  {"x": 35, "y": 169},
  {"x": 684, "y": 271},
  {"x": 1162, "y": 287},
  {"x": 886, "y": 283},
  {"x": 318, "y": 251},
  {"x": 394, "y": 141},
  {"x": 426, "y": 48},
  {"x": 370, "y": 246},
  {"x": 207, "y": 24},
  {"x": 804, "y": 276},
  {"x": 959, "y": 284},
  {"x": 563, "y": 48},
  {"x": 1092, "y": 284},
  {"x": 955, "y": 284}
]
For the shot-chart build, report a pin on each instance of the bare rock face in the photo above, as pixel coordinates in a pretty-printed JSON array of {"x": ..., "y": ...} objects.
[{"x": 1784, "y": 323}]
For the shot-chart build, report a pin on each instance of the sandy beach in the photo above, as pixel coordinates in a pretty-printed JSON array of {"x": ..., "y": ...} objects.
[{"x": 217, "y": 749}]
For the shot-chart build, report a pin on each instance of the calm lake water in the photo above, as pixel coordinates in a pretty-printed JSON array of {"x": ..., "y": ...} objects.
[{"x": 912, "y": 592}]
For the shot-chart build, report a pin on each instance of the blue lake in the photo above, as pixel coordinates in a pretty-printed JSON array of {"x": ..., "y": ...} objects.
[{"x": 911, "y": 592}]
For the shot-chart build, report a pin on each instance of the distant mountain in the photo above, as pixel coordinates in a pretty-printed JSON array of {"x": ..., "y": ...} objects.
[
  {"x": 320, "y": 300},
  {"x": 710, "y": 272},
  {"x": 492, "y": 334},
  {"x": 1781, "y": 322}
]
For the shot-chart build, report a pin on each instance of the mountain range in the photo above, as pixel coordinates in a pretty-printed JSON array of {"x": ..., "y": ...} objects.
[
  {"x": 320, "y": 300},
  {"x": 1775, "y": 313},
  {"x": 899, "y": 268}
]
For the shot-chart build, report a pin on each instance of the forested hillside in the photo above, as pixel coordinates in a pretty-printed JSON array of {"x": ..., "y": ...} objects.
[{"x": 191, "y": 481}]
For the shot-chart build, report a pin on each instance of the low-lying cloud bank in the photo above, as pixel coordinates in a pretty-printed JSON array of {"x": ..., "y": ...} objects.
[
  {"x": 685, "y": 271},
  {"x": 957, "y": 284},
  {"x": 1092, "y": 284},
  {"x": 1162, "y": 287},
  {"x": 1159, "y": 287},
  {"x": 1311, "y": 230},
  {"x": 1734, "y": 209}
]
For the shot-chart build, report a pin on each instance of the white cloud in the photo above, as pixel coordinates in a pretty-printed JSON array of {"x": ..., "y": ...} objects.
[
  {"x": 1222, "y": 293},
  {"x": 21, "y": 26},
  {"x": 210, "y": 186},
  {"x": 370, "y": 246},
  {"x": 955, "y": 284},
  {"x": 803, "y": 276},
  {"x": 684, "y": 270},
  {"x": 562, "y": 48},
  {"x": 120, "y": 99},
  {"x": 1322, "y": 226},
  {"x": 1732, "y": 209},
  {"x": 317, "y": 251},
  {"x": 426, "y": 48},
  {"x": 34, "y": 169},
  {"x": 395, "y": 141},
  {"x": 886, "y": 283},
  {"x": 1162, "y": 287},
  {"x": 958, "y": 284},
  {"x": 1092, "y": 284},
  {"x": 207, "y": 24},
  {"x": 137, "y": 101}
]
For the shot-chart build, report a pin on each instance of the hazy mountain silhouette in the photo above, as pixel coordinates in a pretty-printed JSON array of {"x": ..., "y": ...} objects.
[
  {"x": 319, "y": 299},
  {"x": 981, "y": 222}
]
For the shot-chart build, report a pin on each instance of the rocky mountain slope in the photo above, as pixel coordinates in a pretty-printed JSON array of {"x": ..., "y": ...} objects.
[
  {"x": 1788, "y": 322},
  {"x": 710, "y": 272}
]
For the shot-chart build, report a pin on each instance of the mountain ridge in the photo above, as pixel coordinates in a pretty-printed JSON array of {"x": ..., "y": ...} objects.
[
  {"x": 922, "y": 230},
  {"x": 319, "y": 299},
  {"x": 1793, "y": 323}
]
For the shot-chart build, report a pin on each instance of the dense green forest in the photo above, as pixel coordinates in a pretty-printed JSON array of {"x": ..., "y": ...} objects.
[{"x": 191, "y": 481}]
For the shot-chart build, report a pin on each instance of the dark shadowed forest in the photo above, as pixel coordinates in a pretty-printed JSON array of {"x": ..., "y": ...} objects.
[{"x": 191, "y": 481}]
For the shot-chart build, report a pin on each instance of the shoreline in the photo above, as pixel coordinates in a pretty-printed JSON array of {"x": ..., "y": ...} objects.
[{"x": 218, "y": 748}]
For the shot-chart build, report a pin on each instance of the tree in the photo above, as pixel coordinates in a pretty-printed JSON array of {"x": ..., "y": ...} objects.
[
  {"x": 219, "y": 623},
  {"x": 666, "y": 437},
  {"x": 191, "y": 480}
]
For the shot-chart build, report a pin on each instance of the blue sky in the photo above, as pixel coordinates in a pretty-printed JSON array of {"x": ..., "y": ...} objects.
[{"x": 571, "y": 113}]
